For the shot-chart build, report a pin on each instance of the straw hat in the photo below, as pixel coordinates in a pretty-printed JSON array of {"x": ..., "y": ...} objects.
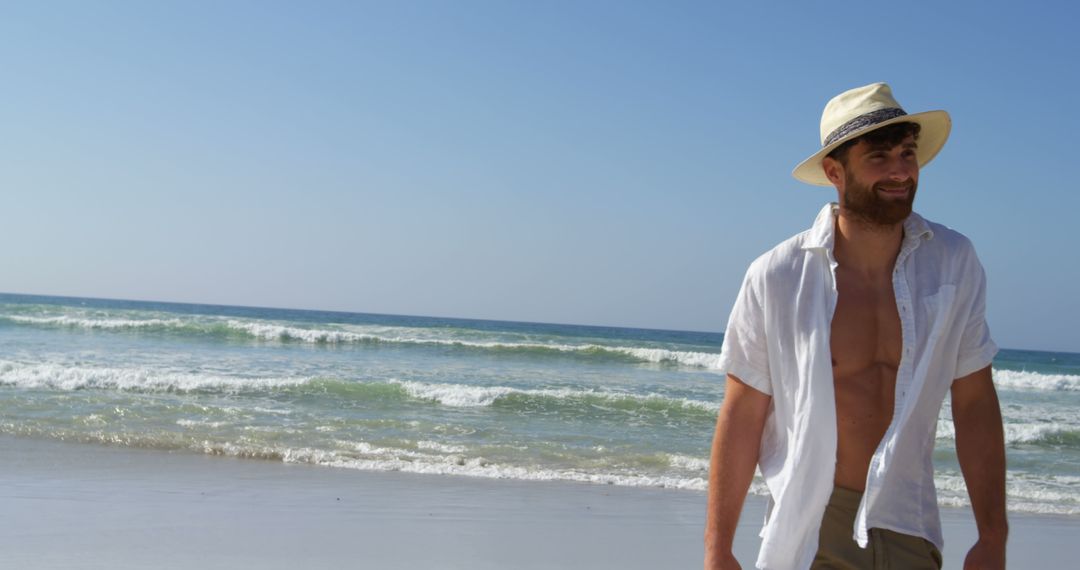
[{"x": 858, "y": 111}]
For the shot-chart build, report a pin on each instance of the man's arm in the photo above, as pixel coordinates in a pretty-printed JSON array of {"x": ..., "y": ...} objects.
[
  {"x": 980, "y": 447},
  {"x": 734, "y": 457}
]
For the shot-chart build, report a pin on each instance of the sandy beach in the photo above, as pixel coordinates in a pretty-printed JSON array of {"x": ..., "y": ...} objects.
[{"x": 88, "y": 506}]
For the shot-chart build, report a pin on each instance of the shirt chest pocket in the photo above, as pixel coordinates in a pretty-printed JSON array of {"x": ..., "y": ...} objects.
[{"x": 936, "y": 314}]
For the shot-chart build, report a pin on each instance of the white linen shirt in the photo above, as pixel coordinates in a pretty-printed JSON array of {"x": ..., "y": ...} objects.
[{"x": 777, "y": 342}]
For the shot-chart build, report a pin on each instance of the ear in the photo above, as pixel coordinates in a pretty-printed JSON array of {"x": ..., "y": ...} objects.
[{"x": 834, "y": 170}]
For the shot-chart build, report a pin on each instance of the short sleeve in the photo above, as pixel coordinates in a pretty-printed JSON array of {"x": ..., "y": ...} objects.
[
  {"x": 977, "y": 349},
  {"x": 745, "y": 350}
]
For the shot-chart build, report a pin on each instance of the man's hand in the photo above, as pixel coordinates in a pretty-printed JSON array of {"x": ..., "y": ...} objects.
[{"x": 986, "y": 555}]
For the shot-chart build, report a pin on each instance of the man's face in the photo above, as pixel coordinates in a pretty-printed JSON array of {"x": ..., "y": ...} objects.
[{"x": 880, "y": 182}]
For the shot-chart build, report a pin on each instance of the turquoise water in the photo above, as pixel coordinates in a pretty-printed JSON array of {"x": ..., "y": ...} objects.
[{"x": 525, "y": 401}]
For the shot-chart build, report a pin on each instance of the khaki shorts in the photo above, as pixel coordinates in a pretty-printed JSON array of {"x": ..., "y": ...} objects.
[{"x": 887, "y": 549}]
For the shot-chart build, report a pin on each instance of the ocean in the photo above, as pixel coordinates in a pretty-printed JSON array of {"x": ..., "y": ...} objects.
[{"x": 449, "y": 397}]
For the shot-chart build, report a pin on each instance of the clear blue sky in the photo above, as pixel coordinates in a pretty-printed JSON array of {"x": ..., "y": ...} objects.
[{"x": 613, "y": 163}]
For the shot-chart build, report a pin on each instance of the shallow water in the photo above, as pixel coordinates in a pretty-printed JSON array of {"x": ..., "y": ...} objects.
[{"x": 524, "y": 401}]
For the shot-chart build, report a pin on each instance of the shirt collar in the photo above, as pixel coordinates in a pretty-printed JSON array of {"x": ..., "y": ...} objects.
[
  {"x": 916, "y": 228},
  {"x": 822, "y": 233}
]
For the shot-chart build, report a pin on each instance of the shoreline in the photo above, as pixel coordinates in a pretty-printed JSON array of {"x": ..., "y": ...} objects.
[{"x": 95, "y": 506}]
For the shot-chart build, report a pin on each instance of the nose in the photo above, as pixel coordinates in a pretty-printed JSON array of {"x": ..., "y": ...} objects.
[{"x": 902, "y": 169}]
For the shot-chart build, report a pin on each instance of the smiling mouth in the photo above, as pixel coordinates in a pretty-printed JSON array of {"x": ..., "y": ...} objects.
[{"x": 901, "y": 191}]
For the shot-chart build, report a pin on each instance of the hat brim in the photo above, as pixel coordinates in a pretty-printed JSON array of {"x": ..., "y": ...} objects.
[{"x": 932, "y": 136}]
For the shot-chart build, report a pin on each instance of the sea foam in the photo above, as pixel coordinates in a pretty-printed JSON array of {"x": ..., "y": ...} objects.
[
  {"x": 95, "y": 323},
  {"x": 464, "y": 396},
  {"x": 54, "y": 376},
  {"x": 1044, "y": 433},
  {"x": 352, "y": 334},
  {"x": 1017, "y": 380},
  {"x": 62, "y": 377}
]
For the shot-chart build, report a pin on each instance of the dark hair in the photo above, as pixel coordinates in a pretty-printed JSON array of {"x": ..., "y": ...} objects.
[{"x": 890, "y": 135}]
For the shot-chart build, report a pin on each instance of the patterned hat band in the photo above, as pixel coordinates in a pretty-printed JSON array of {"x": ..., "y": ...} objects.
[{"x": 861, "y": 122}]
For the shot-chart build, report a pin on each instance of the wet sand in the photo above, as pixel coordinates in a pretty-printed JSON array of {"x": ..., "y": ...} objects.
[{"x": 70, "y": 505}]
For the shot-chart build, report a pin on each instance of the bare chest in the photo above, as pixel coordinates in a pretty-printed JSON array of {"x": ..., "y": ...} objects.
[
  {"x": 866, "y": 346},
  {"x": 866, "y": 335}
]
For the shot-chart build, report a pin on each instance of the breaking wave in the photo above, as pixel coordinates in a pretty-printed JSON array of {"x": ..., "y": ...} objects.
[
  {"x": 60, "y": 377},
  {"x": 402, "y": 336},
  {"x": 1019, "y": 380},
  {"x": 1048, "y": 434}
]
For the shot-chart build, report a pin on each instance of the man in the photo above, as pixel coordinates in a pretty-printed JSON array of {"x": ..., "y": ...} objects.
[{"x": 840, "y": 349}]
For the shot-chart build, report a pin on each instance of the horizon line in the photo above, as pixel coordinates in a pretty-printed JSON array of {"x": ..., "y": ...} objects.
[{"x": 476, "y": 319}]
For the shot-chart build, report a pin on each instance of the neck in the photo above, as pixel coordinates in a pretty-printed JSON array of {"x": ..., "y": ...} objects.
[{"x": 866, "y": 248}]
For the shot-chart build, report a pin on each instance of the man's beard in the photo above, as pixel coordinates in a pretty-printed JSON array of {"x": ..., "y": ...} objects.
[{"x": 864, "y": 204}]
